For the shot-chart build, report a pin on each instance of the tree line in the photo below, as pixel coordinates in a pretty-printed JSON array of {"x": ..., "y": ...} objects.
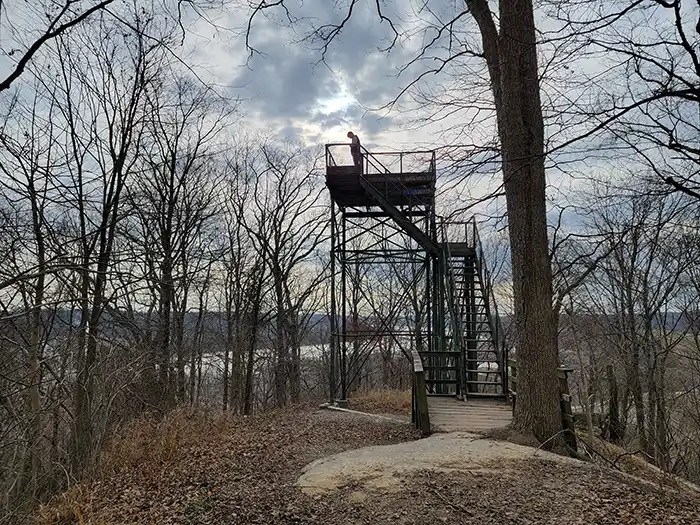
[{"x": 154, "y": 253}]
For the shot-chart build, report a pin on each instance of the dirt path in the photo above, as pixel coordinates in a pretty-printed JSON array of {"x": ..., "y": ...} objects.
[{"x": 387, "y": 466}]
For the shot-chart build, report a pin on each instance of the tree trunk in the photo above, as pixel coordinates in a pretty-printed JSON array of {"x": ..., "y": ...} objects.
[
  {"x": 193, "y": 365},
  {"x": 196, "y": 351},
  {"x": 81, "y": 431},
  {"x": 180, "y": 343},
  {"x": 635, "y": 386},
  {"x": 586, "y": 400},
  {"x": 250, "y": 362},
  {"x": 228, "y": 346},
  {"x": 35, "y": 347},
  {"x": 281, "y": 349},
  {"x": 511, "y": 58},
  {"x": 252, "y": 328},
  {"x": 295, "y": 364},
  {"x": 166, "y": 301},
  {"x": 235, "y": 376},
  {"x": 34, "y": 380},
  {"x": 663, "y": 459},
  {"x": 238, "y": 342},
  {"x": 615, "y": 432}
]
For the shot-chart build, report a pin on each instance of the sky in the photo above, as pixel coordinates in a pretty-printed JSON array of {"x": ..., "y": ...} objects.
[
  {"x": 288, "y": 89},
  {"x": 289, "y": 92}
]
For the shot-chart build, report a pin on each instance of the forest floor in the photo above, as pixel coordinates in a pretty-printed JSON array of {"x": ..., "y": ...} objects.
[{"x": 195, "y": 468}]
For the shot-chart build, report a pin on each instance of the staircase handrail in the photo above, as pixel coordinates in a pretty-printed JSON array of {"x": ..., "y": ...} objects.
[{"x": 486, "y": 279}]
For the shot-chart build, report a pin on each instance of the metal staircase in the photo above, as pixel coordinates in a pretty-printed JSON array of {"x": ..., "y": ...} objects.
[
  {"x": 379, "y": 196},
  {"x": 475, "y": 336}
]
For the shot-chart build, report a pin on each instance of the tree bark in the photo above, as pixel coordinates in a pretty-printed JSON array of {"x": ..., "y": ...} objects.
[
  {"x": 252, "y": 320},
  {"x": 615, "y": 431},
  {"x": 295, "y": 364},
  {"x": 250, "y": 362},
  {"x": 35, "y": 343},
  {"x": 511, "y": 56},
  {"x": 226, "y": 365},
  {"x": 663, "y": 454},
  {"x": 281, "y": 348},
  {"x": 180, "y": 337}
]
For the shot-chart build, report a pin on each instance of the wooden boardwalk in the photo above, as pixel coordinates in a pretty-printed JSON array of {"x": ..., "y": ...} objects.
[{"x": 448, "y": 414}]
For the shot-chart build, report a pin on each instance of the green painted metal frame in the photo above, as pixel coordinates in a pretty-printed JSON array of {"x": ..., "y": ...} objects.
[
  {"x": 345, "y": 221},
  {"x": 433, "y": 259}
]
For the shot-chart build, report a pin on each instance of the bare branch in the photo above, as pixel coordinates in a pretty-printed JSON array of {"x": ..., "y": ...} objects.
[{"x": 52, "y": 32}]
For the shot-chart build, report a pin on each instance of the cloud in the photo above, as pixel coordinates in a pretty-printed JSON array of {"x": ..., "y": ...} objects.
[{"x": 285, "y": 86}]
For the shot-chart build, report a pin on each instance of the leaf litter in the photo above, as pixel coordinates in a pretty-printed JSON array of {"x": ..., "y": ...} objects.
[{"x": 243, "y": 471}]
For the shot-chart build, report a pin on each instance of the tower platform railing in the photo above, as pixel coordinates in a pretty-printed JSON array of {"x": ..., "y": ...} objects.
[
  {"x": 382, "y": 180},
  {"x": 395, "y": 162}
]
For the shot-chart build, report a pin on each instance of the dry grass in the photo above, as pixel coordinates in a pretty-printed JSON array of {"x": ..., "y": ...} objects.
[
  {"x": 382, "y": 402},
  {"x": 74, "y": 506},
  {"x": 197, "y": 467},
  {"x": 160, "y": 441},
  {"x": 148, "y": 446}
]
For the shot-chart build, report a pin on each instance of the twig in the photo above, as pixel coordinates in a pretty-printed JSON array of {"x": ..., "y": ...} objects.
[
  {"x": 589, "y": 447},
  {"x": 452, "y": 504},
  {"x": 548, "y": 440}
]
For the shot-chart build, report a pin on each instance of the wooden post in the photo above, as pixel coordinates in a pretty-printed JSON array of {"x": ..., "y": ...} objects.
[
  {"x": 422, "y": 418},
  {"x": 567, "y": 415},
  {"x": 413, "y": 401},
  {"x": 512, "y": 380}
]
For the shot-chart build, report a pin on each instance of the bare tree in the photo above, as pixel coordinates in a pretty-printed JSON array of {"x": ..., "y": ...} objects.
[
  {"x": 27, "y": 169},
  {"x": 287, "y": 227},
  {"x": 631, "y": 296},
  {"x": 58, "y": 17},
  {"x": 104, "y": 135},
  {"x": 244, "y": 290},
  {"x": 175, "y": 202},
  {"x": 644, "y": 102}
]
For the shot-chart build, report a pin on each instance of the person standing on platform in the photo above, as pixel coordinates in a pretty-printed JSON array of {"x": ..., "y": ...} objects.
[{"x": 355, "y": 150}]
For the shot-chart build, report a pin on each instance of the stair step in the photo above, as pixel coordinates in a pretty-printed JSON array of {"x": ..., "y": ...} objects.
[
  {"x": 485, "y": 394},
  {"x": 441, "y": 381},
  {"x": 482, "y": 371},
  {"x": 448, "y": 368},
  {"x": 483, "y": 383},
  {"x": 441, "y": 395}
]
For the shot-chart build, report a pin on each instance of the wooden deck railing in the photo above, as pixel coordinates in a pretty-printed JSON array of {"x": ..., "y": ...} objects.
[
  {"x": 567, "y": 416},
  {"x": 420, "y": 396}
]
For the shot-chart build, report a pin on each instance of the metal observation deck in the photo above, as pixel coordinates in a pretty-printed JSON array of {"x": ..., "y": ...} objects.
[{"x": 404, "y": 279}]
